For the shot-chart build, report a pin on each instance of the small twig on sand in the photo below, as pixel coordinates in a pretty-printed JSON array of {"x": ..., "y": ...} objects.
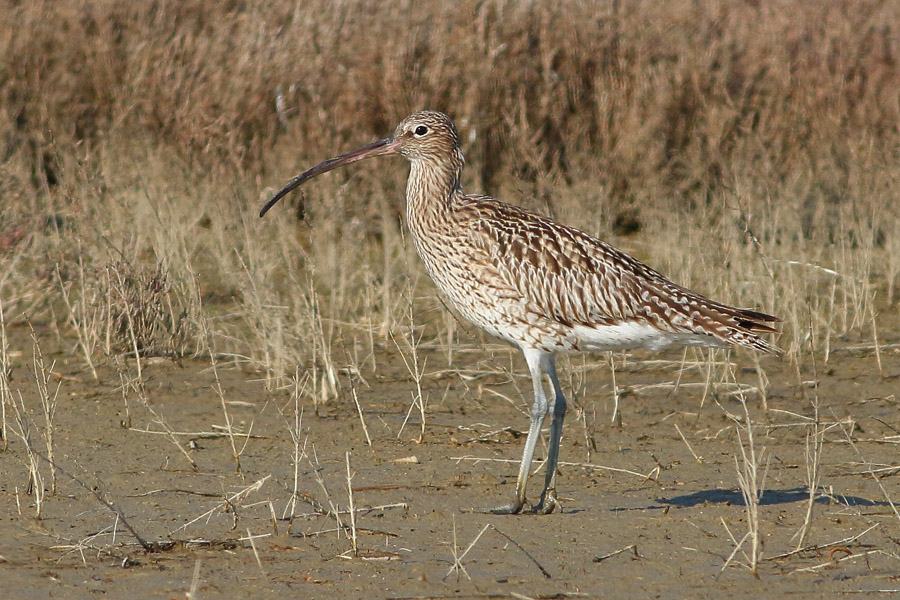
[
  {"x": 321, "y": 511},
  {"x": 251, "y": 538},
  {"x": 848, "y": 435},
  {"x": 834, "y": 561},
  {"x": 525, "y": 552},
  {"x": 632, "y": 547},
  {"x": 201, "y": 435},
  {"x": 489, "y": 435},
  {"x": 644, "y": 476},
  {"x": 686, "y": 443},
  {"x": 96, "y": 494},
  {"x": 457, "y": 558},
  {"x": 815, "y": 441},
  {"x": 818, "y": 547},
  {"x": 229, "y": 501},
  {"x": 361, "y": 418},
  {"x": 229, "y": 429},
  {"x": 352, "y": 508},
  {"x": 195, "y": 580}
]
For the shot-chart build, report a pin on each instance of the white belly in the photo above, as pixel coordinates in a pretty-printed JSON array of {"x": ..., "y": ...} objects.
[{"x": 630, "y": 335}]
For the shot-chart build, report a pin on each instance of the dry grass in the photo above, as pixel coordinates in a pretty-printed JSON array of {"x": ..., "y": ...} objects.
[{"x": 769, "y": 130}]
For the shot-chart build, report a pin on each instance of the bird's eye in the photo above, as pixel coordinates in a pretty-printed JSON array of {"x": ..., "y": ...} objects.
[{"x": 421, "y": 130}]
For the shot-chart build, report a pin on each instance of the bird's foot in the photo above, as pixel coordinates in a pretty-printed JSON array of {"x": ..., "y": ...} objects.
[{"x": 548, "y": 503}]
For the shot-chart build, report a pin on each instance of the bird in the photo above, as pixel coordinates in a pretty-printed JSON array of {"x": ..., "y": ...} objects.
[{"x": 542, "y": 286}]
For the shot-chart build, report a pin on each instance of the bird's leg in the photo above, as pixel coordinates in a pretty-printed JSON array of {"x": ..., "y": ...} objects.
[
  {"x": 548, "y": 497},
  {"x": 536, "y": 360}
]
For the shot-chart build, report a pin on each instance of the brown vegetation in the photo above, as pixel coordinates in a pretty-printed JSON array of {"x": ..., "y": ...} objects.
[{"x": 148, "y": 132}]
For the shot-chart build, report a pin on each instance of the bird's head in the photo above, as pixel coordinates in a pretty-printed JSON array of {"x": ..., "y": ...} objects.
[{"x": 426, "y": 135}]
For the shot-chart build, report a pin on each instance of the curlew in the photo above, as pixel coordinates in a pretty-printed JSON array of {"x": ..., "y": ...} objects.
[{"x": 540, "y": 285}]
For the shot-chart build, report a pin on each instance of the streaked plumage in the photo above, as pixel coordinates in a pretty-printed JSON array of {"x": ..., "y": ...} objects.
[{"x": 541, "y": 285}]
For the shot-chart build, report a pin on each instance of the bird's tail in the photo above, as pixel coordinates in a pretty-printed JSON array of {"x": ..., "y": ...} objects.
[
  {"x": 750, "y": 323},
  {"x": 738, "y": 326},
  {"x": 689, "y": 312}
]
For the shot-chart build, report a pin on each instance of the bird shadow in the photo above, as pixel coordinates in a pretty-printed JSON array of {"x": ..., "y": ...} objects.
[{"x": 769, "y": 498}]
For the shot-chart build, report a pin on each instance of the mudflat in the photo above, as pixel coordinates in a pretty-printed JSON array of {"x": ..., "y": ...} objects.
[{"x": 651, "y": 492}]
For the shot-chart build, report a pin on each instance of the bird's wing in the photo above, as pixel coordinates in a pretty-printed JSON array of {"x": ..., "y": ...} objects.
[{"x": 571, "y": 278}]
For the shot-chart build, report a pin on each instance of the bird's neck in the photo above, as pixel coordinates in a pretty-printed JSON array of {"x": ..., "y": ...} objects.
[{"x": 430, "y": 191}]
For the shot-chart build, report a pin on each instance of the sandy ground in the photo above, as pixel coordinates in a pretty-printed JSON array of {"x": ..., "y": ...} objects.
[{"x": 655, "y": 523}]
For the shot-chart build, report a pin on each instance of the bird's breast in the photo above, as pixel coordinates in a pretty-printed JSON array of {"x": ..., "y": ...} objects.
[{"x": 474, "y": 287}]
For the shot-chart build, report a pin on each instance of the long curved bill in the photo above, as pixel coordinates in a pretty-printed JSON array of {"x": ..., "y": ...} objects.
[{"x": 384, "y": 146}]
